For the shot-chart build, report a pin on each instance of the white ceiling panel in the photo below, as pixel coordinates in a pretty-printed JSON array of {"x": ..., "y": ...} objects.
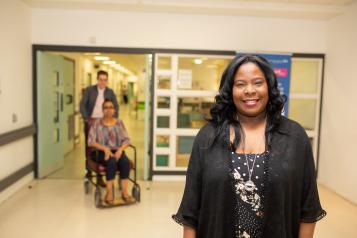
[{"x": 303, "y": 9}]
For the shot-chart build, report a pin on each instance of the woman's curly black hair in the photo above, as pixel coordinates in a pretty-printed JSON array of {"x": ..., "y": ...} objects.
[{"x": 224, "y": 112}]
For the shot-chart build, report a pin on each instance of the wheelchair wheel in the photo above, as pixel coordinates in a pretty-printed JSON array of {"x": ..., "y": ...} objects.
[
  {"x": 87, "y": 186},
  {"x": 98, "y": 198},
  {"x": 135, "y": 192}
]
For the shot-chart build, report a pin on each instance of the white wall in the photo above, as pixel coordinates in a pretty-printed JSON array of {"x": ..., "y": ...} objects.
[
  {"x": 15, "y": 87},
  {"x": 159, "y": 30},
  {"x": 15, "y": 66},
  {"x": 338, "y": 160}
]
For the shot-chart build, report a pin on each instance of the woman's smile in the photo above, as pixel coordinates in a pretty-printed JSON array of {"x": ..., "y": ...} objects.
[{"x": 251, "y": 102}]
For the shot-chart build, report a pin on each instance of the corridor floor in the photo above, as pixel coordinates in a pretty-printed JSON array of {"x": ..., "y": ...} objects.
[{"x": 59, "y": 208}]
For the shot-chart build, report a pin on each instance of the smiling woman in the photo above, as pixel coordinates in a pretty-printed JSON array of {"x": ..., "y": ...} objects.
[
  {"x": 250, "y": 90},
  {"x": 250, "y": 166}
]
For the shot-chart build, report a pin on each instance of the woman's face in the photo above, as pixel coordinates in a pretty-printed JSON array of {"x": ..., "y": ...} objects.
[
  {"x": 108, "y": 110},
  {"x": 250, "y": 90}
]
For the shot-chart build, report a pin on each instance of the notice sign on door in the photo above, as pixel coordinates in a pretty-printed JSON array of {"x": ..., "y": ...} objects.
[{"x": 184, "y": 80}]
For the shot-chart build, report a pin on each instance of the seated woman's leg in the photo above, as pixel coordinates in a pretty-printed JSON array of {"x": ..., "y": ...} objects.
[
  {"x": 110, "y": 169},
  {"x": 124, "y": 169}
]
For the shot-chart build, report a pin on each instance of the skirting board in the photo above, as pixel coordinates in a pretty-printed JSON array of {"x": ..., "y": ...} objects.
[{"x": 11, "y": 190}]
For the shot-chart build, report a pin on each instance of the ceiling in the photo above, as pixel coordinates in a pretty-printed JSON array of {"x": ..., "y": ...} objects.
[
  {"x": 303, "y": 9},
  {"x": 133, "y": 62}
]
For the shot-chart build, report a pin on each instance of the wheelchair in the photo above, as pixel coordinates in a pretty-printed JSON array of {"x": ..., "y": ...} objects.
[{"x": 98, "y": 169}]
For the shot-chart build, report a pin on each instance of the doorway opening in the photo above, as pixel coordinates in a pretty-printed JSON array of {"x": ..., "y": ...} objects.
[{"x": 62, "y": 77}]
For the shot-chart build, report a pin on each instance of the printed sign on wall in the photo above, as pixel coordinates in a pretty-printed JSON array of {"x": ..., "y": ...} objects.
[{"x": 184, "y": 79}]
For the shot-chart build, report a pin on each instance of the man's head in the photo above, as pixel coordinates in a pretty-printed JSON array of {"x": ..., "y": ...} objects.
[{"x": 102, "y": 79}]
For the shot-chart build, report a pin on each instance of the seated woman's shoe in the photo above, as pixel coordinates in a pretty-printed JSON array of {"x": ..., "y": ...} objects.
[
  {"x": 127, "y": 198},
  {"x": 108, "y": 201}
]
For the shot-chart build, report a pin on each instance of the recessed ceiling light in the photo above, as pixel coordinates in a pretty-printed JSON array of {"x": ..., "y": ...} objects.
[
  {"x": 92, "y": 53},
  {"x": 197, "y": 61},
  {"x": 109, "y": 62},
  {"x": 101, "y": 58}
]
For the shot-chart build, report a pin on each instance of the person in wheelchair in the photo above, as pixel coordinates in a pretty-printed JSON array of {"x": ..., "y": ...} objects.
[{"x": 109, "y": 136}]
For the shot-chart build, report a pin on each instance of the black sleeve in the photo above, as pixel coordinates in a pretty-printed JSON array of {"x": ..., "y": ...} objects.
[
  {"x": 83, "y": 104},
  {"x": 311, "y": 210},
  {"x": 189, "y": 209}
]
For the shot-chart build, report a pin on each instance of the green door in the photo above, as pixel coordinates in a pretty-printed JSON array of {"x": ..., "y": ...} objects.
[{"x": 50, "y": 101}]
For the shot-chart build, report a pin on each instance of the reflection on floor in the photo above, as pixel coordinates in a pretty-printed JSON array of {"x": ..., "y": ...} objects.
[
  {"x": 74, "y": 165},
  {"x": 60, "y": 209}
]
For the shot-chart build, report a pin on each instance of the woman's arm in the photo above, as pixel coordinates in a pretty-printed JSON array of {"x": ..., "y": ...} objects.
[
  {"x": 98, "y": 146},
  {"x": 108, "y": 153},
  {"x": 123, "y": 134},
  {"x": 189, "y": 232},
  {"x": 92, "y": 141},
  {"x": 120, "y": 150},
  {"x": 306, "y": 230}
]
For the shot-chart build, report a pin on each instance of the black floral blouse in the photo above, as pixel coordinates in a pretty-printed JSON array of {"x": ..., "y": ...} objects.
[
  {"x": 249, "y": 204},
  {"x": 289, "y": 195}
]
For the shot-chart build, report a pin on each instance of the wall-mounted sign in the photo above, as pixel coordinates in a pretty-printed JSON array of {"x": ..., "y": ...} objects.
[{"x": 184, "y": 80}]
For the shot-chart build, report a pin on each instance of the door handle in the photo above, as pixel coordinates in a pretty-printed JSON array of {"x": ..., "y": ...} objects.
[
  {"x": 56, "y": 119},
  {"x": 61, "y": 102},
  {"x": 69, "y": 99}
]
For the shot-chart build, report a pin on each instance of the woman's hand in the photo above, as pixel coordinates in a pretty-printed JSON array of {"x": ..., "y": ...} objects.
[
  {"x": 118, "y": 153},
  {"x": 108, "y": 153}
]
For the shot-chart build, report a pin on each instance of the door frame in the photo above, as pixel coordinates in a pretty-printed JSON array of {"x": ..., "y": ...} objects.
[{"x": 74, "y": 98}]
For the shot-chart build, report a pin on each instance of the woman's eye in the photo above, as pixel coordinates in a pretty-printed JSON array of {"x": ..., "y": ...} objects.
[{"x": 258, "y": 83}]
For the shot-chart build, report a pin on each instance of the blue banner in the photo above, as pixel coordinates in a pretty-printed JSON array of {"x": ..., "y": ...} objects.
[{"x": 282, "y": 68}]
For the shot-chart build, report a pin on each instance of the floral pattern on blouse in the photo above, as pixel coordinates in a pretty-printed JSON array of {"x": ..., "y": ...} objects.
[
  {"x": 110, "y": 136},
  {"x": 249, "y": 202}
]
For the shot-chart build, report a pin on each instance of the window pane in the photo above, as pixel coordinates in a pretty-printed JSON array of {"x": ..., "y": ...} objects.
[
  {"x": 164, "y": 82},
  {"x": 163, "y": 141},
  {"x": 303, "y": 111},
  {"x": 192, "y": 112},
  {"x": 304, "y": 76},
  {"x": 163, "y": 102},
  {"x": 200, "y": 73},
  {"x": 164, "y": 62},
  {"x": 162, "y": 160},
  {"x": 163, "y": 122},
  {"x": 184, "y": 148}
]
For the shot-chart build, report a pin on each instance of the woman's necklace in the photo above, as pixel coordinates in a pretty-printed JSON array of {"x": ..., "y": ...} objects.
[{"x": 249, "y": 185}]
